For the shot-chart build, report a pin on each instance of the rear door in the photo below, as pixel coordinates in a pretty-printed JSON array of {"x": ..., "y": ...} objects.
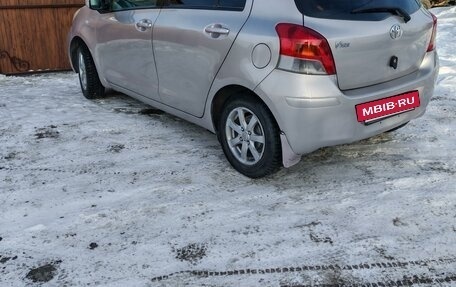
[
  {"x": 125, "y": 46},
  {"x": 191, "y": 41},
  {"x": 370, "y": 47}
]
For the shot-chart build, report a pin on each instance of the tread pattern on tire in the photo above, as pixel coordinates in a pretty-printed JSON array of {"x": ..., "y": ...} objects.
[{"x": 95, "y": 88}]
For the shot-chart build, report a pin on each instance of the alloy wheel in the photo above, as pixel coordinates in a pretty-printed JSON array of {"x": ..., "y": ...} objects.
[{"x": 245, "y": 136}]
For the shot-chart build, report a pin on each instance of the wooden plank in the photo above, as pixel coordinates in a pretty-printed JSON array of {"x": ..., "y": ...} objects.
[
  {"x": 39, "y": 2},
  {"x": 34, "y": 38},
  {"x": 39, "y": 6}
]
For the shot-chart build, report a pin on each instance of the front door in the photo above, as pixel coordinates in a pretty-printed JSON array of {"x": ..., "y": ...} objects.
[
  {"x": 125, "y": 46},
  {"x": 191, "y": 41}
]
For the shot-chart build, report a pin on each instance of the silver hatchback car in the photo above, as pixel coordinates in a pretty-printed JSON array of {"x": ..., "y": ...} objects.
[{"x": 273, "y": 79}]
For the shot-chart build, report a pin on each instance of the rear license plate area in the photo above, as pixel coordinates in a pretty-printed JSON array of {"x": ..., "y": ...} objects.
[{"x": 373, "y": 111}]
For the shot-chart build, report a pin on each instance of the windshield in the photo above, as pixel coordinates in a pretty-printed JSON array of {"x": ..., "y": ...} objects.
[{"x": 342, "y": 9}]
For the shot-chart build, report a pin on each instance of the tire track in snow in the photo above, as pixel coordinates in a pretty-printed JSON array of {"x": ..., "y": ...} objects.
[
  {"x": 78, "y": 172},
  {"x": 406, "y": 281}
]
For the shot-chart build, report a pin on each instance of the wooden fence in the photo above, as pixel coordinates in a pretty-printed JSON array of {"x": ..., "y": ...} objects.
[{"x": 33, "y": 34}]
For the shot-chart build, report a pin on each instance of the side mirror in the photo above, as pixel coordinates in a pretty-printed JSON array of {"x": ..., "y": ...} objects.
[{"x": 100, "y": 5}]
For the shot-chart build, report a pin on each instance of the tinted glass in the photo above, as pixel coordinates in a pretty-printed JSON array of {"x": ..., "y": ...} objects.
[
  {"x": 235, "y": 4},
  {"x": 341, "y": 9},
  {"x": 193, "y": 3},
  {"x": 95, "y": 4},
  {"x": 119, "y": 5}
]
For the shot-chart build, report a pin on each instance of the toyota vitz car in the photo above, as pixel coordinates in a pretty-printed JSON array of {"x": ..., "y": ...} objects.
[{"x": 273, "y": 79}]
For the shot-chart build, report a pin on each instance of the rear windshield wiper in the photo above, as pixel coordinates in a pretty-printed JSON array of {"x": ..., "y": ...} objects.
[{"x": 393, "y": 10}]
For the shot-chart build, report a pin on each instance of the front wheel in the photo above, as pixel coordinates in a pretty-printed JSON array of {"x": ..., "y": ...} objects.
[
  {"x": 88, "y": 76},
  {"x": 250, "y": 137}
]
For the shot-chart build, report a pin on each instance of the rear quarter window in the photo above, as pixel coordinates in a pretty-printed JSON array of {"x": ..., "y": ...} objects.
[
  {"x": 341, "y": 9},
  {"x": 232, "y": 4}
]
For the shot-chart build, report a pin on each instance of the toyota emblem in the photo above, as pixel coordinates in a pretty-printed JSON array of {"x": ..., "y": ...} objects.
[{"x": 396, "y": 32}]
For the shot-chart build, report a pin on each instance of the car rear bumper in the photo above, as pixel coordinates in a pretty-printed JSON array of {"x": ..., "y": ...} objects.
[{"x": 313, "y": 112}]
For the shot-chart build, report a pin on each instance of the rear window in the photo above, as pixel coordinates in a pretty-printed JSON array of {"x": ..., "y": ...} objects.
[{"x": 341, "y": 9}]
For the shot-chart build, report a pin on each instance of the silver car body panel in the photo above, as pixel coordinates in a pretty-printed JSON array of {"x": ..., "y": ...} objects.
[
  {"x": 312, "y": 111},
  {"x": 363, "y": 49},
  {"x": 319, "y": 114},
  {"x": 189, "y": 51},
  {"x": 124, "y": 50},
  {"x": 238, "y": 68}
]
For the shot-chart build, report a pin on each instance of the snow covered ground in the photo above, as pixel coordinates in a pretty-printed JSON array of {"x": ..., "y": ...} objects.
[{"x": 114, "y": 193}]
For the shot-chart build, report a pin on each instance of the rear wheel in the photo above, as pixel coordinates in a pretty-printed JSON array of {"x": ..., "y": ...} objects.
[
  {"x": 88, "y": 76},
  {"x": 250, "y": 137}
]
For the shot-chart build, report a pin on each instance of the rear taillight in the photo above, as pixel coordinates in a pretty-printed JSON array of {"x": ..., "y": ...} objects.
[
  {"x": 305, "y": 51},
  {"x": 431, "y": 46}
]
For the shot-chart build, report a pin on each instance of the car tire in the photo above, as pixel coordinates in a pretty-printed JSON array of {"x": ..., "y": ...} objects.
[
  {"x": 250, "y": 137},
  {"x": 91, "y": 86},
  {"x": 398, "y": 127}
]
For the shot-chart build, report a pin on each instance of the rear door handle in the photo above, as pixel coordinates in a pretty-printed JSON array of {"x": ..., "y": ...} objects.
[
  {"x": 216, "y": 30},
  {"x": 144, "y": 25}
]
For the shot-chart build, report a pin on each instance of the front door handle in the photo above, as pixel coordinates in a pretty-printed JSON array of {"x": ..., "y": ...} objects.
[
  {"x": 216, "y": 30},
  {"x": 144, "y": 25}
]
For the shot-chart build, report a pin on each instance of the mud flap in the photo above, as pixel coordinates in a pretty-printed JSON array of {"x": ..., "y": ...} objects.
[{"x": 289, "y": 158}]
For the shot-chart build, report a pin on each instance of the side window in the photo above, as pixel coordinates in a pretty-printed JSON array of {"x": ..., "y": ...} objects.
[
  {"x": 119, "y": 5},
  {"x": 204, "y": 4},
  {"x": 232, "y": 4}
]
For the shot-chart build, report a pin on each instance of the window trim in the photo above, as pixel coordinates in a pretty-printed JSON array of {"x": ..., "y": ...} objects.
[
  {"x": 217, "y": 7},
  {"x": 163, "y": 4}
]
